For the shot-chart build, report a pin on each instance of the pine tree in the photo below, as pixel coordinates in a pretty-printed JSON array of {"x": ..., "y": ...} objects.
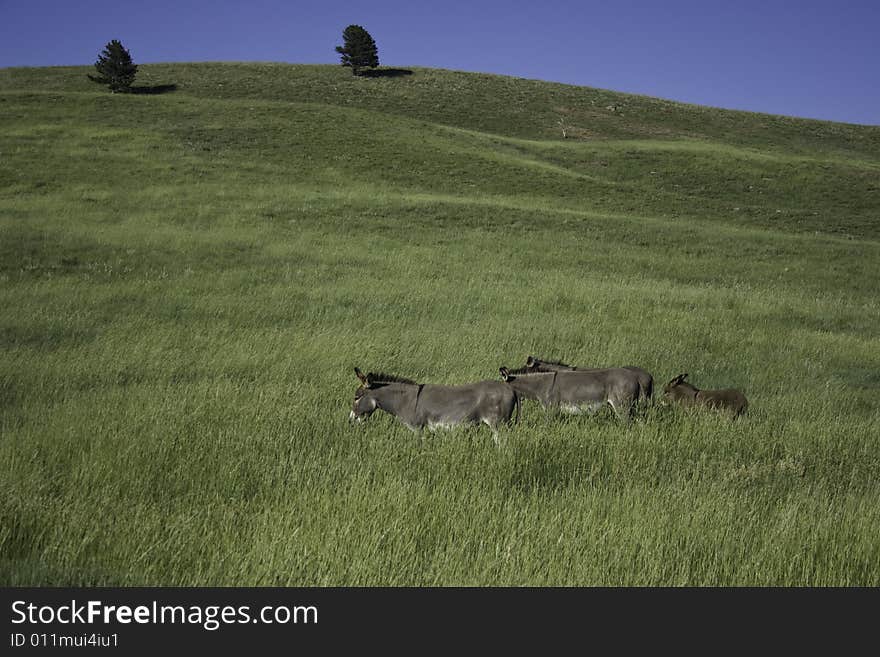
[
  {"x": 115, "y": 68},
  {"x": 359, "y": 50}
]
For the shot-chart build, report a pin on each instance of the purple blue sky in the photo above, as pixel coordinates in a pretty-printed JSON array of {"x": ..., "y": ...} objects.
[{"x": 811, "y": 58}]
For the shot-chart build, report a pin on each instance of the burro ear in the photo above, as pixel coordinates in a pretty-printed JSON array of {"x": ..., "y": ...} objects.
[
  {"x": 679, "y": 378},
  {"x": 530, "y": 361},
  {"x": 505, "y": 373},
  {"x": 360, "y": 375}
]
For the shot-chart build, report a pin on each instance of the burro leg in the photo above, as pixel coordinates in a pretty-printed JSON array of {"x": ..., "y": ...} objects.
[
  {"x": 622, "y": 408},
  {"x": 493, "y": 426}
]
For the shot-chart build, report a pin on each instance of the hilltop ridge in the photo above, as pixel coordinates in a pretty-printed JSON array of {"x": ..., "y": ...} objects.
[
  {"x": 419, "y": 131},
  {"x": 504, "y": 105}
]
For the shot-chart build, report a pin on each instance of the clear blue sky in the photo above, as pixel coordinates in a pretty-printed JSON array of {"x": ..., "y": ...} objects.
[{"x": 812, "y": 58}]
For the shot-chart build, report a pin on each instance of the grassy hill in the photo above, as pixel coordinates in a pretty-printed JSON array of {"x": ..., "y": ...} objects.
[{"x": 189, "y": 273}]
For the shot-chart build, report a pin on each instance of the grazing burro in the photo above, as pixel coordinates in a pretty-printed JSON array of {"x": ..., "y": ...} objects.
[
  {"x": 425, "y": 405},
  {"x": 577, "y": 391},
  {"x": 646, "y": 381},
  {"x": 729, "y": 399}
]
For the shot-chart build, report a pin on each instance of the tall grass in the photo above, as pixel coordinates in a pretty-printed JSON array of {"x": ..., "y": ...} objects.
[{"x": 188, "y": 279}]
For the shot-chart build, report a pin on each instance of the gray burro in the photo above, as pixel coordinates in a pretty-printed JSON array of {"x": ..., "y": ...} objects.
[
  {"x": 578, "y": 391},
  {"x": 646, "y": 381},
  {"x": 425, "y": 405}
]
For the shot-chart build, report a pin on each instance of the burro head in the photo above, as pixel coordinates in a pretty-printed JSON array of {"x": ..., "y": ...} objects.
[
  {"x": 534, "y": 364},
  {"x": 509, "y": 376},
  {"x": 364, "y": 401},
  {"x": 676, "y": 388}
]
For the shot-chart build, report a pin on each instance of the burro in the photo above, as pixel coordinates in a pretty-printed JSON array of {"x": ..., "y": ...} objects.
[{"x": 431, "y": 406}]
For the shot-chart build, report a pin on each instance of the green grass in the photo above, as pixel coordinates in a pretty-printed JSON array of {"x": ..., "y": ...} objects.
[{"x": 187, "y": 280}]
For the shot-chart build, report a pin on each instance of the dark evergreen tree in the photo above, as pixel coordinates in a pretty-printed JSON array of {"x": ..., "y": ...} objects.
[
  {"x": 115, "y": 68},
  {"x": 359, "y": 50}
]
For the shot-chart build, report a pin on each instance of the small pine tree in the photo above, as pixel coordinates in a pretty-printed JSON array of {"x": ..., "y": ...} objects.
[
  {"x": 115, "y": 68},
  {"x": 359, "y": 50}
]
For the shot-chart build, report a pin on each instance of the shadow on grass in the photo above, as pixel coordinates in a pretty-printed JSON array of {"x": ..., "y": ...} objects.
[
  {"x": 153, "y": 90},
  {"x": 387, "y": 73}
]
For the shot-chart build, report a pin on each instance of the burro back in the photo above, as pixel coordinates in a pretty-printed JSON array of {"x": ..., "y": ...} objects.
[
  {"x": 577, "y": 391},
  {"x": 684, "y": 393},
  {"x": 430, "y": 406}
]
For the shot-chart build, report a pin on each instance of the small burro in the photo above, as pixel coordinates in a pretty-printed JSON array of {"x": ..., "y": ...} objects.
[
  {"x": 431, "y": 406},
  {"x": 682, "y": 392}
]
